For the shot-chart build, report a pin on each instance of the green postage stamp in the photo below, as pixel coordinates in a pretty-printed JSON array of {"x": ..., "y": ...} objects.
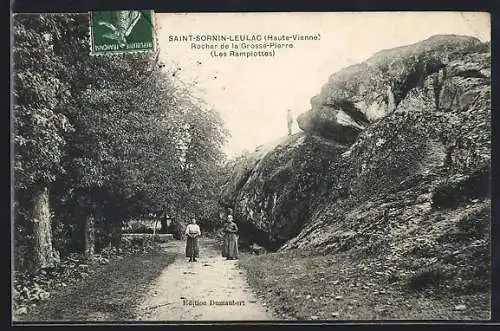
[{"x": 122, "y": 31}]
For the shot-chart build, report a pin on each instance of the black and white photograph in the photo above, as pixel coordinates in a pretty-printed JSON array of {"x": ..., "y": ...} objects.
[{"x": 251, "y": 166}]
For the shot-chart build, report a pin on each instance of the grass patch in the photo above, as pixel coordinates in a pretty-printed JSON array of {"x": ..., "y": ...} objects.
[
  {"x": 110, "y": 293},
  {"x": 299, "y": 286}
]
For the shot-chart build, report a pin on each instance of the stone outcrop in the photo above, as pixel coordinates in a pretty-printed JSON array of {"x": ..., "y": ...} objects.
[
  {"x": 394, "y": 161},
  {"x": 361, "y": 94},
  {"x": 273, "y": 189}
]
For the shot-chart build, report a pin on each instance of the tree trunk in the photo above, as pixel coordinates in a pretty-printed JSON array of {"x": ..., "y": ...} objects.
[
  {"x": 164, "y": 225},
  {"x": 44, "y": 256},
  {"x": 89, "y": 237},
  {"x": 106, "y": 230},
  {"x": 116, "y": 235}
]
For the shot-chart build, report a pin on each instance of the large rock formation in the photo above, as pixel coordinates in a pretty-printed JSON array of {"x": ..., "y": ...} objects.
[
  {"x": 361, "y": 94},
  {"x": 395, "y": 162},
  {"x": 273, "y": 189},
  {"x": 418, "y": 181}
]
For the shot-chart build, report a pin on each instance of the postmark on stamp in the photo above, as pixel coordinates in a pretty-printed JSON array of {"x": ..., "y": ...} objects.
[{"x": 122, "y": 31}]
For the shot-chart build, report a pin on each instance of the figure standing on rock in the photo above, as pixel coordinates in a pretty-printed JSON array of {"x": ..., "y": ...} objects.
[
  {"x": 192, "y": 232},
  {"x": 230, "y": 247},
  {"x": 289, "y": 121}
]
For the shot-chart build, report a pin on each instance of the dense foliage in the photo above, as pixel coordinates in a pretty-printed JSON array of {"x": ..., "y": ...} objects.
[{"x": 112, "y": 137}]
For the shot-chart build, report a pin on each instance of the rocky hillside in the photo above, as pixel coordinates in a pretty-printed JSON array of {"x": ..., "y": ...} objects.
[
  {"x": 273, "y": 190},
  {"x": 394, "y": 161}
]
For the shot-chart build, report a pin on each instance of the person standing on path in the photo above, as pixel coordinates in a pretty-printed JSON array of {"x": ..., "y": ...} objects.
[
  {"x": 230, "y": 248},
  {"x": 192, "y": 232}
]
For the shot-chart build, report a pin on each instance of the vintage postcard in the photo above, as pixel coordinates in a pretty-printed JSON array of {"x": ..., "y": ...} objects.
[{"x": 187, "y": 167}]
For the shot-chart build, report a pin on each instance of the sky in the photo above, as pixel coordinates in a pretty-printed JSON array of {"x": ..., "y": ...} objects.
[{"x": 253, "y": 94}]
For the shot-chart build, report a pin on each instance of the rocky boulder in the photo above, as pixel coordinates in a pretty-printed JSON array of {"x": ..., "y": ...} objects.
[
  {"x": 361, "y": 94},
  {"x": 273, "y": 189},
  {"x": 401, "y": 176},
  {"x": 418, "y": 182}
]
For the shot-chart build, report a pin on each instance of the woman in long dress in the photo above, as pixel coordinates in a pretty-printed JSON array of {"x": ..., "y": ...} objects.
[
  {"x": 230, "y": 248},
  {"x": 192, "y": 232}
]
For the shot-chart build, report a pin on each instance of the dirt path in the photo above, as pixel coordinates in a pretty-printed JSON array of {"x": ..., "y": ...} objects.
[{"x": 201, "y": 290}]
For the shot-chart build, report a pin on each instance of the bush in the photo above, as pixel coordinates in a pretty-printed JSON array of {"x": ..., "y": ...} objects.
[
  {"x": 61, "y": 238},
  {"x": 427, "y": 277},
  {"x": 138, "y": 227},
  {"x": 139, "y": 243},
  {"x": 475, "y": 224},
  {"x": 21, "y": 257},
  {"x": 176, "y": 229},
  {"x": 461, "y": 189}
]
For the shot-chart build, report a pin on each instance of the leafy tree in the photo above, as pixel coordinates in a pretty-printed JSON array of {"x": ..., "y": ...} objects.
[
  {"x": 40, "y": 94},
  {"x": 119, "y": 139}
]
